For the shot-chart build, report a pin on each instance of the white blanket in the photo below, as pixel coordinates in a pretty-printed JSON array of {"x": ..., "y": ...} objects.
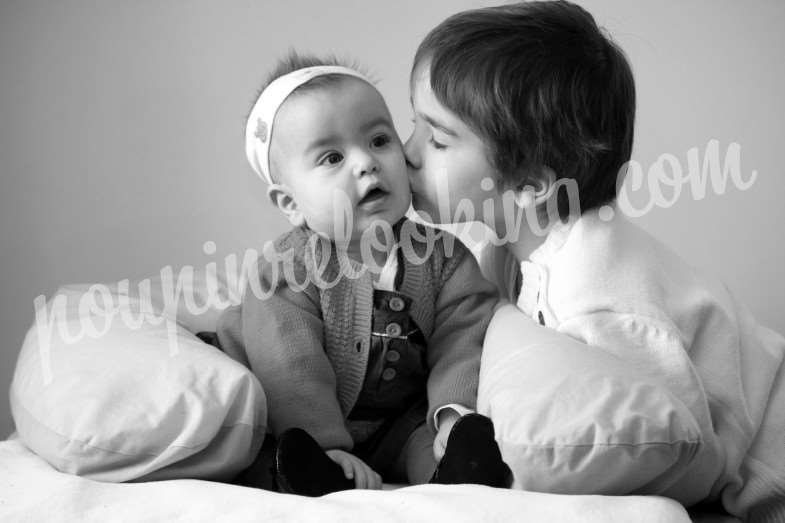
[{"x": 31, "y": 490}]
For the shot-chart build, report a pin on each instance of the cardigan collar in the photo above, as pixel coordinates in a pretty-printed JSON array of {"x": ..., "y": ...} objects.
[{"x": 340, "y": 271}]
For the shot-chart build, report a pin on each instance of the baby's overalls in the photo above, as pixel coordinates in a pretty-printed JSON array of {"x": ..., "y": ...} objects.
[
  {"x": 387, "y": 423},
  {"x": 393, "y": 402}
]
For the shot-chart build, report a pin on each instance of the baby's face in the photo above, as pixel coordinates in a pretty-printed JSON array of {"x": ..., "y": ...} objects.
[{"x": 339, "y": 141}]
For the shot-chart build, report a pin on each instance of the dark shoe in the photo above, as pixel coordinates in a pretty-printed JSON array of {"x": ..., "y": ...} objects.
[
  {"x": 261, "y": 472},
  {"x": 472, "y": 455},
  {"x": 210, "y": 338},
  {"x": 302, "y": 467}
]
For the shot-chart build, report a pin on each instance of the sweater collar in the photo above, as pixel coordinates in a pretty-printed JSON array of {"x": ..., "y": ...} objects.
[
  {"x": 413, "y": 280},
  {"x": 555, "y": 240}
]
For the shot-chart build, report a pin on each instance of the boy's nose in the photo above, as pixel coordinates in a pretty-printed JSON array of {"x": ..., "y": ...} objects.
[{"x": 412, "y": 153}]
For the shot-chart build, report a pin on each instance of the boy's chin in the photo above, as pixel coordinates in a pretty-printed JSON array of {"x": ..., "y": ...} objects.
[
  {"x": 427, "y": 215},
  {"x": 422, "y": 210}
]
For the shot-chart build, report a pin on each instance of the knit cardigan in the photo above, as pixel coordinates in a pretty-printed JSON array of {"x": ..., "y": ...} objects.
[{"x": 308, "y": 342}]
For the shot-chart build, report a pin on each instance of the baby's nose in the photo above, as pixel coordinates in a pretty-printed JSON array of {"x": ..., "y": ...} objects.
[{"x": 366, "y": 164}]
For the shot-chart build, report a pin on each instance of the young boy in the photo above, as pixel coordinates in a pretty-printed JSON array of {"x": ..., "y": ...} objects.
[
  {"x": 510, "y": 103},
  {"x": 363, "y": 328}
]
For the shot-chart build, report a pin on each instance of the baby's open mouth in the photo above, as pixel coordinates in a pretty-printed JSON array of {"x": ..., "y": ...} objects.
[{"x": 373, "y": 195}]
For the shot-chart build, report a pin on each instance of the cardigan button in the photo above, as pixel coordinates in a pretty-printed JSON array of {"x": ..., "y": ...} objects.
[
  {"x": 388, "y": 374},
  {"x": 396, "y": 304},
  {"x": 393, "y": 356},
  {"x": 393, "y": 329}
]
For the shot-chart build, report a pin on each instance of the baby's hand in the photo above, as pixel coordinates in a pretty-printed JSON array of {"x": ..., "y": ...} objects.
[
  {"x": 447, "y": 419},
  {"x": 354, "y": 467}
]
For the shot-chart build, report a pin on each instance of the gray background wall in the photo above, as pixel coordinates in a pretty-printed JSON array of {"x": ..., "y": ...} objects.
[{"x": 121, "y": 130}]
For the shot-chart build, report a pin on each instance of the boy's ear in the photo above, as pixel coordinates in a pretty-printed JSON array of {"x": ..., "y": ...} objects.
[
  {"x": 282, "y": 197},
  {"x": 539, "y": 187}
]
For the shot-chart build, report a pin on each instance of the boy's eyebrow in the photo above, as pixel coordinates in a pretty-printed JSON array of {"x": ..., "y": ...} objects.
[{"x": 433, "y": 122}]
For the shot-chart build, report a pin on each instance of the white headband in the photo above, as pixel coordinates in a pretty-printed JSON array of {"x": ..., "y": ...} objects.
[{"x": 259, "y": 127}]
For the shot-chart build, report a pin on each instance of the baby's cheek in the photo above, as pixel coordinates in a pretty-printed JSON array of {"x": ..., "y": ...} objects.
[{"x": 319, "y": 219}]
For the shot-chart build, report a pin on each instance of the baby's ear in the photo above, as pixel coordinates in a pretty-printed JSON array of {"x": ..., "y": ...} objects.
[{"x": 282, "y": 197}]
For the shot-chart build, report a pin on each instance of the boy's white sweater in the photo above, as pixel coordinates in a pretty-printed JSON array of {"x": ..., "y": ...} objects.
[{"x": 612, "y": 285}]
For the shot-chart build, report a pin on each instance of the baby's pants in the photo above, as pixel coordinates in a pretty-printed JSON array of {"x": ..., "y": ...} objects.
[
  {"x": 388, "y": 423},
  {"x": 397, "y": 444},
  {"x": 401, "y": 451}
]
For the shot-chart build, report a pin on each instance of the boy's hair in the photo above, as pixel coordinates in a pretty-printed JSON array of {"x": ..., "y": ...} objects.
[{"x": 542, "y": 85}]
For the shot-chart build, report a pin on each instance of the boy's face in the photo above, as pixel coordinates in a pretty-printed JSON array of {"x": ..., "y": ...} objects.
[
  {"x": 339, "y": 138},
  {"x": 447, "y": 160}
]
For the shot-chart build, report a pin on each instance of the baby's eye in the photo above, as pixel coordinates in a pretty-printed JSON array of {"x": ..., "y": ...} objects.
[
  {"x": 332, "y": 158},
  {"x": 435, "y": 144},
  {"x": 380, "y": 140}
]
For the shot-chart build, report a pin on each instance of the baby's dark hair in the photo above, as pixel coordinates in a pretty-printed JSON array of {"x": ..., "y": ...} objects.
[{"x": 543, "y": 86}]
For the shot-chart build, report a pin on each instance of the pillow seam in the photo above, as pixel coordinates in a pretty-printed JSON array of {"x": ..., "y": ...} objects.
[
  {"x": 83, "y": 443},
  {"x": 581, "y": 445}
]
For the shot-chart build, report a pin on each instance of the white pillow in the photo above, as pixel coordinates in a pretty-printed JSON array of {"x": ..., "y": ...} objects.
[
  {"x": 573, "y": 419},
  {"x": 142, "y": 402}
]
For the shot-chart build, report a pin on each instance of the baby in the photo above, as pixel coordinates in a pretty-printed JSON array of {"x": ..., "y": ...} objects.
[{"x": 364, "y": 329}]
